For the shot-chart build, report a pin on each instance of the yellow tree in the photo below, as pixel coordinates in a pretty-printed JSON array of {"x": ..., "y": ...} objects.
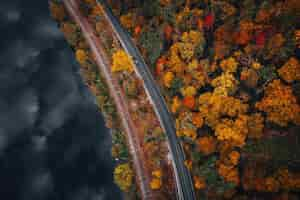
[{"x": 123, "y": 176}]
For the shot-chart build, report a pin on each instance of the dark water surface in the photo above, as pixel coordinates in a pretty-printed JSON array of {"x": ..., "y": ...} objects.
[{"x": 53, "y": 143}]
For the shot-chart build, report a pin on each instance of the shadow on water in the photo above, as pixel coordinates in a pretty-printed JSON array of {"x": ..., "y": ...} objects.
[{"x": 53, "y": 142}]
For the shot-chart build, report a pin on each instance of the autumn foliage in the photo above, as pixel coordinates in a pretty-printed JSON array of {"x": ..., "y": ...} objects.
[
  {"x": 123, "y": 176},
  {"x": 229, "y": 72}
]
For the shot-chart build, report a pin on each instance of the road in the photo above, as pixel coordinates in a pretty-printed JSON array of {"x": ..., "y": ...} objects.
[
  {"x": 183, "y": 179},
  {"x": 118, "y": 96}
]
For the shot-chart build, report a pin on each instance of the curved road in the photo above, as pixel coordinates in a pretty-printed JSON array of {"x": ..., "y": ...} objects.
[
  {"x": 183, "y": 179},
  {"x": 116, "y": 93}
]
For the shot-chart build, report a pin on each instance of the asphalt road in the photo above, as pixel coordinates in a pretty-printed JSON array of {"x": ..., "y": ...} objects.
[{"x": 183, "y": 179}]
